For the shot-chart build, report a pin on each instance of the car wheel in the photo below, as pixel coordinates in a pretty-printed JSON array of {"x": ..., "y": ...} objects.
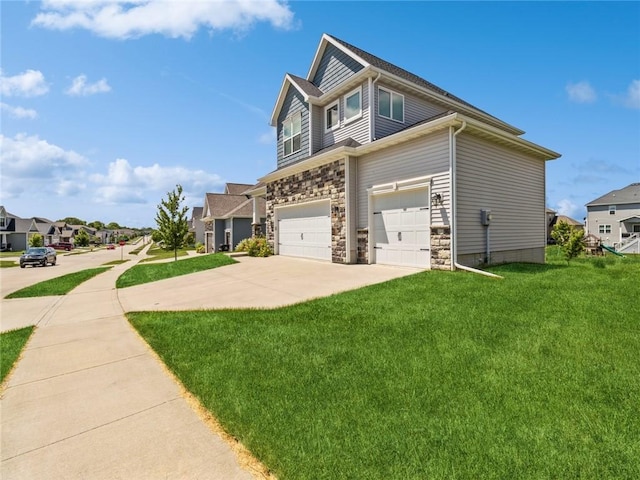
[
  {"x": 22, "y": 266},
  {"x": 53, "y": 264},
  {"x": 44, "y": 262}
]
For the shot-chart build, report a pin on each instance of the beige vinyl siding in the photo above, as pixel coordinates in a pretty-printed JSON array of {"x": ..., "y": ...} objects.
[
  {"x": 356, "y": 129},
  {"x": 334, "y": 68},
  {"x": 416, "y": 158},
  {"x": 293, "y": 103},
  {"x": 599, "y": 215},
  {"x": 415, "y": 110},
  {"x": 511, "y": 185}
]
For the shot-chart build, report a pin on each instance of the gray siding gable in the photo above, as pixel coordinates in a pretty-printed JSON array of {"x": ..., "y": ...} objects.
[
  {"x": 334, "y": 68},
  {"x": 293, "y": 103}
]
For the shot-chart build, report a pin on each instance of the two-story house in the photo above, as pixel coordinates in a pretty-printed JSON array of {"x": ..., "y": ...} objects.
[
  {"x": 377, "y": 165},
  {"x": 614, "y": 218}
]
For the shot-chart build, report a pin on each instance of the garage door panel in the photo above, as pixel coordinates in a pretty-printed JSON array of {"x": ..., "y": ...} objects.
[
  {"x": 401, "y": 228},
  {"x": 305, "y": 231}
]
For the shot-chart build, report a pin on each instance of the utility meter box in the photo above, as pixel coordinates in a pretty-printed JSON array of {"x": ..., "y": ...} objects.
[{"x": 485, "y": 217}]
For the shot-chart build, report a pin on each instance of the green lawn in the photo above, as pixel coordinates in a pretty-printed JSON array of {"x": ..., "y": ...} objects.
[
  {"x": 145, "y": 273},
  {"x": 11, "y": 344},
  {"x": 8, "y": 263},
  {"x": 157, "y": 253},
  {"x": 437, "y": 375},
  {"x": 59, "y": 285}
]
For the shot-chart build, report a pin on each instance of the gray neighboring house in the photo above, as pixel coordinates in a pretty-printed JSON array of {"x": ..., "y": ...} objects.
[
  {"x": 196, "y": 225},
  {"x": 377, "y": 165},
  {"x": 15, "y": 231},
  {"x": 614, "y": 218},
  {"x": 232, "y": 216}
]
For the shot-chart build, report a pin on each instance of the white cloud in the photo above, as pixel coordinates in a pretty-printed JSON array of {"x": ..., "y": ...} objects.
[
  {"x": 18, "y": 112},
  {"x": 80, "y": 88},
  {"x": 124, "y": 183},
  {"x": 27, "y": 84},
  {"x": 24, "y": 157},
  {"x": 581, "y": 92},
  {"x": 632, "y": 98},
  {"x": 567, "y": 207},
  {"x": 135, "y": 18}
]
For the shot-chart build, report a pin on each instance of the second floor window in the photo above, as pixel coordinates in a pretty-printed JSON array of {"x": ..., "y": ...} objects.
[
  {"x": 291, "y": 133},
  {"x": 3, "y": 222},
  {"x": 390, "y": 105},
  {"x": 332, "y": 118},
  {"x": 352, "y": 105},
  {"x": 612, "y": 209}
]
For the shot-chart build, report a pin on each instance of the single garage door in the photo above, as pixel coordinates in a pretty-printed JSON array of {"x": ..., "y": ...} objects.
[
  {"x": 401, "y": 228},
  {"x": 305, "y": 230}
]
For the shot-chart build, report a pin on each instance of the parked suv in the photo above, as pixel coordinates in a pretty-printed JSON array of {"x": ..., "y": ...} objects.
[{"x": 38, "y": 256}]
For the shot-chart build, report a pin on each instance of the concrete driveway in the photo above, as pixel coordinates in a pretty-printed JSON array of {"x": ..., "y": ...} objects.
[{"x": 255, "y": 283}]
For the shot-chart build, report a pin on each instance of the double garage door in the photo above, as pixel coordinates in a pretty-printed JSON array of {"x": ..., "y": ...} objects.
[
  {"x": 305, "y": 230},
  {"x": 401, "y": 228}
]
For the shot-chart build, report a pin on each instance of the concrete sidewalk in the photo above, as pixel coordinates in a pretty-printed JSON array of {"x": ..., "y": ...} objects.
[{"x": 88, "y": 400}]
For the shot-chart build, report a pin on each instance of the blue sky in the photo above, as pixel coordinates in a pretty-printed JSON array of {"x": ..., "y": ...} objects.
[{"x": 107, "y": 105}]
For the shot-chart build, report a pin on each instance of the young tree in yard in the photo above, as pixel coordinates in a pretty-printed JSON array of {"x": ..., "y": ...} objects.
[
  {"x": 172, "y": 220},
  {"x": 570, "y": 239},
  {"x": 35, "y": 240},
  {"x": 82, "y": 239}
]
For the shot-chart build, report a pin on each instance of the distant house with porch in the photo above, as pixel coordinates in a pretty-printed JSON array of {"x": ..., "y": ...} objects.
[{"x": 614, "y": 218}]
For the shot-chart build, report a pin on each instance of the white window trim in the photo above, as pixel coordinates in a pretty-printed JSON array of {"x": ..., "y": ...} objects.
[
  {"x": 612, "y": 209},
  {"x": 358, "y": 115},
  {"x": 391, "y": 94},
  {"x": 603, "y": 229},
  {"x": 326, "y": 109},
  {"x": 284, "y": 140}
]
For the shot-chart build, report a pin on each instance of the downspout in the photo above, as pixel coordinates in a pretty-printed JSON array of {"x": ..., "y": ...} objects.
[
  {"x": 372, "y": 114},
  {"x": 454, "y": 212}
]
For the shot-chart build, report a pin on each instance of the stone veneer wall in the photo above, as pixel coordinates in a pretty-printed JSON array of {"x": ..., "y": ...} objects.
[
  {"x": 440, "y": 248},
  {"x": 363, "y": 246},
  {"x": 323, "y": 182}
]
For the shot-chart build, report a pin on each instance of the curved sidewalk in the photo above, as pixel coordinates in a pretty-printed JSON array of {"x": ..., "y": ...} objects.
[{"x": 88, "y": 399}]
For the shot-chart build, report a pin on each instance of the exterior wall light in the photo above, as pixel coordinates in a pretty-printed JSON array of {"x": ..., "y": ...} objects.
[{"x": 436, "y": 198}]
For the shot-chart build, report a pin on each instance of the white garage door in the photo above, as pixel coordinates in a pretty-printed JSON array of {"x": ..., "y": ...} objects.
[
  {"x": 401, "y": 228},
  {"x": 305, "y": 231}
]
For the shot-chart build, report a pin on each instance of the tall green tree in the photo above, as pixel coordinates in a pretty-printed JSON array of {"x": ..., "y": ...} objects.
[
  {"x": 97, "y": 224},
  {"x": 172, "y": 220},
  {"x": 113, "y": 226}
]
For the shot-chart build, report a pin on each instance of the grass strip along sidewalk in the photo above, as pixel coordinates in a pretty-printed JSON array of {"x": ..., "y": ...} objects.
[
  {"x": 11, "y": 344},
  {"x": 437, "y": 375},
  {"x": 59, "y": 285},
  {"x": 145, "y": 273}
]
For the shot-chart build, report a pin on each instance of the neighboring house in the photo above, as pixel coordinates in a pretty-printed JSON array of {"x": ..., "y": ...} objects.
[
  {"x": 377, "y": 165},
  {"x": 232, "y": 216},
  {"x": 15, "y": 231},
  {"x": 196, "y": 225},
  {"x": 615, "y": 218},
  {"x": 555, "y": 218}
]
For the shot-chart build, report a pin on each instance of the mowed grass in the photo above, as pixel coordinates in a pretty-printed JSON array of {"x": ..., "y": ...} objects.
[
  {"x": 438, "y": 375},
  {"x": 8, "y": 263},
  {"x": 59, "y": 285},
  {"x": 145, "y": 273},
  {"x": 156, "y": 253},
  {"x": 11, "y": 344}
]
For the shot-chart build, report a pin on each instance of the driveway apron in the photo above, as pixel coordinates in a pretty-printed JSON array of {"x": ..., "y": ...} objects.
[{"x": 88, "y": 399}]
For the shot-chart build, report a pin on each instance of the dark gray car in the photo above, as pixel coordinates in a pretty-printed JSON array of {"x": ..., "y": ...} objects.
[{"x": 38, "y": 256}]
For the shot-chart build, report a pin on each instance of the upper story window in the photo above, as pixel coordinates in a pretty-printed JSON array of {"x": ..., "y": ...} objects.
[
  {"x": 331, "y": 117},
  {"x": 291, "y": 133},
  {"x": 353, "y": 105},
  {"x": 3, "y": 221},
  {"x": 390, "y": 105},
  {"x": 612, "y": 209}
]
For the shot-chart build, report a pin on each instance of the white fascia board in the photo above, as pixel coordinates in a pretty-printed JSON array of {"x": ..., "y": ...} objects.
[
  {"x": 320, "y": 51},
  {"x": 283, "y": 93},
  {"x": 260, "y": 191},
  {"x": 533, "y": 148}
]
